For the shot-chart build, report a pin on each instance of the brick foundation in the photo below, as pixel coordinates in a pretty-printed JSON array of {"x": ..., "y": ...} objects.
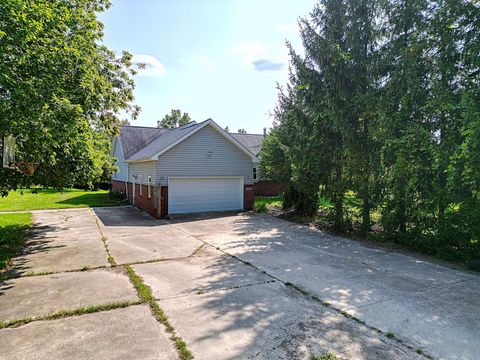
[
  {"x": 141, "y": 201},
  {"x": 248, "y": 197},
  {"x": 119, "y": 187},
  {"x": 148, "y": 204},
  {"x": 270, "y": 188},
  {"x": 163, "y": 202}
]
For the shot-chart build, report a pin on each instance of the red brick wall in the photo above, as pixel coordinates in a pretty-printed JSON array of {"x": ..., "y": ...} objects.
[
  {"x": 141, "y": 201},
  {"x": 118, "y": 186},
  {"x": 248, "y": 197},
  {"x": 269, "y": 188},
  {"x": 163, "y": 202}
]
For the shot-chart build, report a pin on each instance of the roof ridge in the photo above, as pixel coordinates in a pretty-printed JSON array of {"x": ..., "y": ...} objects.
[
  {"x": 144, "y": 127},
  {"x": 233, "y": 133}
]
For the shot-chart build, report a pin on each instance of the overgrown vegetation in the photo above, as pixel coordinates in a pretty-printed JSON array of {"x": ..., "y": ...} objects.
[
  {"x": 385, "y": 104},
  {"x": 262, "y": 203},
  {"x": 41, "y": 198},
  {"x": 145, "y": 294},
  {"x": 12, "y": 230},
  {"x": 61, "y": 91}
]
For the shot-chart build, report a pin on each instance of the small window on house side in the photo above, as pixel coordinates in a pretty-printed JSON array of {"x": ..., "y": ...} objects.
[
  {"x": 149, "y": 183},
  {"x": 140, "y": 187},
  {"x": 254, "y": 173}
]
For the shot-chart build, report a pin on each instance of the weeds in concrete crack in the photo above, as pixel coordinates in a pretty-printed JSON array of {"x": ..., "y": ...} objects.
[
  {"x": 110, "y": 258},
  {"x": 313, "y": 297},
  {"x": 145, "y": 294},
  {"x": 327, "y": 356},
  {"x": 68, "y": 313},
  {"x": 197, "y": 250}
]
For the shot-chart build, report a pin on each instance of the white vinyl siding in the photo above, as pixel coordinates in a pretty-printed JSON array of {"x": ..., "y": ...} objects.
[
  {"x": 190, "y": 195},
  {"x": 122, "y": 174},
  {"x": 205, "y": 153},
  {"x": 142, "y": 170}
]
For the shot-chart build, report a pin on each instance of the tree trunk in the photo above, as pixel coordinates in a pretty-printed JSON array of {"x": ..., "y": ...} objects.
[{"x": 366, "y": 207}]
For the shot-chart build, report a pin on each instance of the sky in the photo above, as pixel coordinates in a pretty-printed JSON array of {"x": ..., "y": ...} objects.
[{"x": 218, "y": 59}]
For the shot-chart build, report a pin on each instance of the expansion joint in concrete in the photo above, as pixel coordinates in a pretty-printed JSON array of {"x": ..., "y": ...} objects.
[{"x": 309, "y": 295}]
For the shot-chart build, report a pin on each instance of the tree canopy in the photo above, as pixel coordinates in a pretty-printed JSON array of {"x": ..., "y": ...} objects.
[
  {"x": 61, "y": 91},
  {"x": 174, "y": 119},
  {"x": 385, "y": 103}
]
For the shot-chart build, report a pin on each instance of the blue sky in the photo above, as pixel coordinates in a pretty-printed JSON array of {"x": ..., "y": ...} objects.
[{"x": 218, "y": 59}]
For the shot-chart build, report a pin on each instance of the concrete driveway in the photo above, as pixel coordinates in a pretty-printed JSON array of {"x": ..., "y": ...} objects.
[{"x": 235, "y": 286}]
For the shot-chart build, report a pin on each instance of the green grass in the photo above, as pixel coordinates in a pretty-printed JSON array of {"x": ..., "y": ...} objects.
[
  {"x": 27, "y": 199},
  {"x": 12, "y": 229},
  {"x": 261, "y": 202},
  {"x": 145, "y": 294},
  {"x": 327, "y": 356}
]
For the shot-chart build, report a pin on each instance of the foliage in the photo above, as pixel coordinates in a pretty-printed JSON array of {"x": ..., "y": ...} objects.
[
  {"x": 34, "y": 199},
  {"x": 60, "y": 91},
  {"x": 12, "y": 229},
  {"x": 385, "y": 102},
  {"x": 174, "y": 119},
  {"x": 242, "y": 131}
]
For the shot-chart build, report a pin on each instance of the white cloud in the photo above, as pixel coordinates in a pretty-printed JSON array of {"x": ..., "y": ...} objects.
[
  {"x": 256, "y": 55},
  {"x": 153, "y": 67}
]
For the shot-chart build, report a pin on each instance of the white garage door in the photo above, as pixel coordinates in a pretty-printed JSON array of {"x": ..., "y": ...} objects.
[{"x": 189, "y": 195}]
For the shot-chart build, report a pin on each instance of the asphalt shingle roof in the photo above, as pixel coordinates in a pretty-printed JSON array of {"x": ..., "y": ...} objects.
[
  {"x": 161, "y": 142},
  {"x": 253, "y": 142},
  {"x": 135, "y": 138},
  {"x": 141, "y": 142}
]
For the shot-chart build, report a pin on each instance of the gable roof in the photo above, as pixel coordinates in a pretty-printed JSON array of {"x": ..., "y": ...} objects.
[
  {"x": 148, "y": 143},
  {"x": 134, "y": 138},
  {"x": 253, "y": 142},
  {"x": 161, "y": 142}
]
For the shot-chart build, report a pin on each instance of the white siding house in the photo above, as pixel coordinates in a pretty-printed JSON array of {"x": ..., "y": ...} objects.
[
  {"x": 122, "y": 173},
  {"x": 196, "y": 167}
]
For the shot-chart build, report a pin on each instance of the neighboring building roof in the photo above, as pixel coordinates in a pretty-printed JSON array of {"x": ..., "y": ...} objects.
[
  {"x": 253, "y": 142},
  {"x": 147, "y": 143},
  {"x": 135, "y": 138}
]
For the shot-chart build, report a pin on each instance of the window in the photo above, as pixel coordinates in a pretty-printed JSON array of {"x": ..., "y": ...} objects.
[
  {"x": 254, "y": 173},
  {"x": 140, "y": 186},
  {"x": 149, "y": 183}
]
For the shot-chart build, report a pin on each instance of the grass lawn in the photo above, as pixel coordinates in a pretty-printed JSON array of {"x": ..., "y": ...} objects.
[
  {"x": 54, "y": 199},
  {"x": 12, "y": 228}
]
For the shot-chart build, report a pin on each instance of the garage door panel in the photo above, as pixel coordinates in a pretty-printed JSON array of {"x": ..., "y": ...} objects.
[{"x": 187, "y": 195}]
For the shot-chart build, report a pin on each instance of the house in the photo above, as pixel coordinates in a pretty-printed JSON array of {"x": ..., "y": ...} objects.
[{"x": 197, "y": 167}]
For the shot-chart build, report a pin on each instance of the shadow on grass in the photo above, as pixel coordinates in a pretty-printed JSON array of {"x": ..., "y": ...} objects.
[
  {"x": 94, "y": 200},
  {"x": 35, "y": 239},
  {"x": 11, "y": 242}
]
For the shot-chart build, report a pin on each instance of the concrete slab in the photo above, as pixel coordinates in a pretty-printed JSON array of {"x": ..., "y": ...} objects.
[
  {"x": 61, "y": 240},
  {"x": 208, "y": 270},
  {"x": 129, "y": 333},
  {"x": 42, "y": 295},
  {"x": 134, "y": 236},
  {"x": 428, "y": 305},
  {"x": 270, "y": 321}
]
